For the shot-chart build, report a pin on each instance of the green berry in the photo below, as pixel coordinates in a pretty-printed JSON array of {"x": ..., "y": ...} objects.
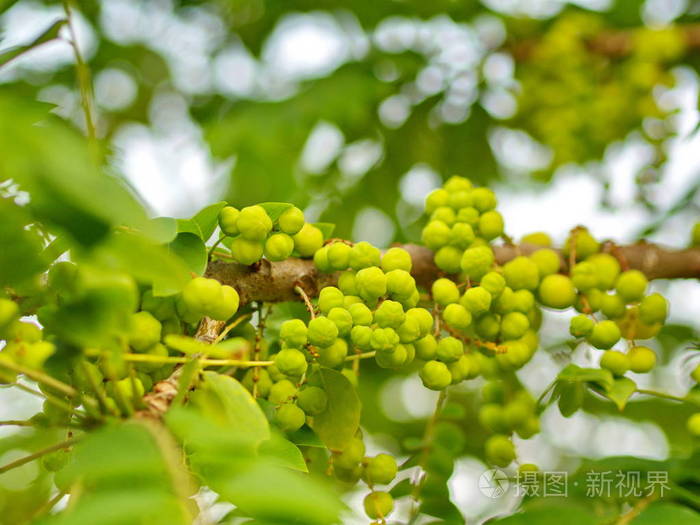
[
  {"x": 322, "y": 331},
  {"x": 695, "y": 374},
  {"x": 378, "y": 504},
  {"x": 347, "y": 283},
  {"x": 537, "y": 238},
  {"x": 423, "y": 317},
  {"x": 371, "y": 283},
  {"x": 449, "y": 349},
  {"x": 469, "y": 215},
  {"x": 361, "y": 337},
  {"x": 462, "y": 235},
  {"x": 547, "y": 261},
  {"x": 500, "y": 450},
  {"x": 488, "y": 326},
  {"x": 321, "y": 260},
  {"x": 581, "y": 325},
  {"x": 460, "y": 199},
  {"x": 693, "y": 424},
  {"x": 330, "y": 297},
  {"x": 426, "y": 348},
  {"x": 342, "y": 319},
  {"x": 278, "y": 247},
  {"x": 653, "y": 309},
  {"x": 607, "y": 269},
  {"x": 617, "y": 362},
  {"x": 291, "y": 362},
  {"x": 435, "y": 375},
  {"x": 9, "y": 312},
  {"x": 523, "y": 301},
  {"x": 557, "y": 291},
  {"x": 334, "y": 355},
  {"x": 390, "y": 314},
  {"x": 641, "y": 359},
  {"x": 444, "y": 214},
  {"x": 631, "y": 285},
  {"x": 351, "y": 455},
  {"x": 410, "y": 330},
  {"x": 436, "y": 199},
  {"x": 494, "y": 283},
  {"x": 584, "y": 242},
  {"x": 514, "y": 325},
  {"x": 144, "y": 331},
  {"x": 282, "y": 391},
  {"x": 516, "y": 413},
  {"x": 584, "y": 276},
  {"x": 436, "y": 234},
  {"x": 400, "y": 284},
  {"x": 445, "y": 292},
  {"x": 55, "y": 461},
  {"x": 228, "y": 217},
  {"x": 380, "y": 470},
  {"x": 396, "y": 357},
  {"x": 157, "y": 350},
  {"x": 491, "y": 225},
  {"x": 291, "y": 221},
  {"x": 493, "y": 392},
  {"x": 457, "y": 316},
  {"x": 396, "y": 259},
  {"x": 312, "y": 400},
  {"x": 290, "y": 418},
  {"x": 384, "y": 339},
  {"x": 227, "y": 305},
  {"x": 364, "y": 255},
  {"x": 361, "y": 314},
  {"x": 201, "y": 295},
  {"x": 457, "y": 183},
  {"x": 604, "y": 335},
  {"x": 448, "y": 259},
  {"x": 339, "y": 256},
  {"x": 477, "y": 261},
  {"x": 245, "y": 251},
  {"x": 521, "y": 273},
  {"x": 253, "y": 223},
  {"x": 484, "y": 199},
  {"x": 612, "y": 306},
  {"x": 308, "y": 240},
  {"x": 293, "y": 333}
]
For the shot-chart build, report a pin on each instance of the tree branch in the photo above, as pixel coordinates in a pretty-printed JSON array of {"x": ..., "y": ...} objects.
[{"x": 274, "y": 282}]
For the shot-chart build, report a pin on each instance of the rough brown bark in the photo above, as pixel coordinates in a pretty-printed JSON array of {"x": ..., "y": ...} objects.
[{"x": 274, "y": 282}]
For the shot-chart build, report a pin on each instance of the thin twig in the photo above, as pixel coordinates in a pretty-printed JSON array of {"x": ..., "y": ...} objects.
[
  {"x": 31, "y": 457},
  {"x": 309, "y": 306}
]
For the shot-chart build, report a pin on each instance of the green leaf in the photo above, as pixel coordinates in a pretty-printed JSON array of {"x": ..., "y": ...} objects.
[
  {"x": 275, "y": 209},
  {"x": 663, "y": 512},
  {"x": 164, "y": 229},
  {"x": 620, "y": 392},
  {"x": 575, "y": 373},
  {"x": 326, "y": 229},
  {"x": 570, "y": 397},
  {"x": 337, "y": 425},
  {"x": 283, "y": 452},
  {"x": 225, "y": 401},
  {"x": 49, "y": 34},
  {"x": 21, "y": 256},
  {"x": 191, "y": 249},
  {"x": 203, "y": 223}
]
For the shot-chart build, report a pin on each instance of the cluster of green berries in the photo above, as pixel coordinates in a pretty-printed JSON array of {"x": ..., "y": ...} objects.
[
  {"x": 462, "y": 221},
  {"x": 25, "y": 345},
  {"x": 502, "y": 413},
  {"x": 253, "y": 233},
  {"x": 207, "y": 297}
]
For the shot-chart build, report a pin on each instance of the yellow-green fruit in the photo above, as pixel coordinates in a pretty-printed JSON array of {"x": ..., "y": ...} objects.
[
  {"x": 444, "y": 214},
  {"x": 351, "y": 455},
  {"x": 653, "y": 309},
  {"x": 321, "y": 260},
  {"x": 694, "y": 424},
  {"x": 378, "y": 504},
  {"x": 400, "y": 284},
  {"x": 278, "y": 247},
  {"x": 380, "y": 470},
  {"x": 144, "y": 331},
  {"x": 131, "y": 388},
  {"x": 290, "y": 418},
  {"x": 291, "y": 362},
  {"x": 607, "y": 268},
  {"x": 584, "y": 276},
  {"x": 426, "y": 348},
  {"x": 521, "y": 273},
  {"x": 477, "y": 300},
  {"x": 494, "y": 283},
  {"x": 631, "y": 285},
  {"x": 585, "y": 244},
  {"x": 436, "y": 234},
  {"x": 457, "y": 183},
  {"x": 581, "y": 325},
  {"x": 371, "y": 283},
  {"x": 445, "y": 292},
  {"x": 617, "y": 362},
  {"x": 9, "y": 312},
  {"x": 477, "y": 261},
  {"x": 492, "y": 417},
  {"x": 308, "y": 240},
  {"x": 514, "y": 325},
  {"x": 227, "y": 305},
  {"x": 457, "y": 316},
  {"x": 330, "y": 297},
  {"x": 282, "y": 391},
  {"x": 547, "y": 261},
  {"x": 435, "y": 375},
  {"x": 157, "y": 350},
  {"x": 312, "y": 400},
  {"x": 396, "y": 259},
  {"x": 528, "y": 467},
  {"x": 228, "y": 216},
  {"x": 490, "y": 225},
  {"x": 37, "y": 354},
  {"x": 469, "y": 215},
  {"x": 322, "y": 331},
  {"x": 261, "y": 378},
  {"x": 612, "y": 306},
  {"x": 293, "y": 333},
  {"x": 448, "y": 259},
  {"x": 436, "y": 199},
  {"x": 449, "y": 349},
  {"x": 361, "y": 314},
  {"x": 462, "y": 235},
  {"x": 604, "y": 335},
  {"x": 390, "y": 314},
  {"x": 557, "y": 291},
  {"x": 253, "y": 223},
  {"x": 342, "y": 319},
  {"x": 642, "y": 359},
  {"x": 291, "y": 221},
  {"x": 339, "y": 256},
  {"x": 361, "y": 337},
  {"x": 538, "y": 238},
  {"x": 484, "y": 199},
  {"x": 500, "y": 450},
  {"x": 245, "y": 251}
]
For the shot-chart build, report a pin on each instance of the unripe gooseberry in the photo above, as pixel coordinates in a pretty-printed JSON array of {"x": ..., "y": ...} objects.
[
  {"x": 457, "y": 316},
  {"x": 477, "y": 261},
  {"x": 500, "y": 450},
  {"x": 245, "y": 251},
  {"x": 584, "y": 276},
  {"x": 363, "y": 255},
  {"x": 641, "y": 359},
  {"x": 445, "y": 292},
  {"x": 384, "y": 339},
  {"x": 436, "y": 234},
  {"x": 293, "y": 333},
  {"x": 444, "y": 214},
  {"x": 361, "y": 314},
  {"x": 380, "y": 470},
  {"x": 290, "y": 418},
  {"x": 612, "y": 306},
  {"x": 484, "y": 199},
  {"x": 291, "y": 362},
  {"x": 282, "y": 391},
  {"x": 389, "y": 314},
  {"x": 400, "y": 284},
  {"x": 607, "y": 268},
  {"x": 371, "y": 283},
  {"x": 538, "y": 238},
  {"x": 426, "y": 348},
  {"x": 457, "y": 183},
  {"x": 312, "y": 400},
  {"x": 462, "y": 235},
  {"x": 308, "y": 240},
  {"x": 291, "y": 221},
  {"x": 394, "y": 357},
  {"x": 144, "y": 331},
  {"x": 278, "y": 247},
  {"x": 448, "y": 259},
  {"x": 378, "y": 504},
  {"x": 330, "y": 297},
  {"x": 494, "y": 283},
  {"x": 339, "y": 256},
  {"x": 617, "y": 362},
  {"x": 435, "y": 375},
  {"x": 435, "y": 199},
  {"x": 581, "y": 325},
  {"x": 490, "y": 225},
  {"x": 583, "y": 242},
  {"x": 227, "y": 305},
  {"x": 653, "y": 309},
  {"x": 322, "y": 331},
  {"x": 547, "y": 261},
  {"x": 321, "y": 260},
  {"x": 361, "y": 337},
  {"x": 449, "y": 349},
  {"x": 604, "y": 335},
  {"x": 253, "y": 223},
  {"x": 557, "y": 291},
  {"x": 227, "y": 220},
  {"x": 342, "y": 319},
  {"x": 396, "y": 259},
  {"x": 631, "y": 285},
  {"x": 333, "y": 355},
  {"x": 514, "y": 325},
  {"x": 521, "y": 273}
]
